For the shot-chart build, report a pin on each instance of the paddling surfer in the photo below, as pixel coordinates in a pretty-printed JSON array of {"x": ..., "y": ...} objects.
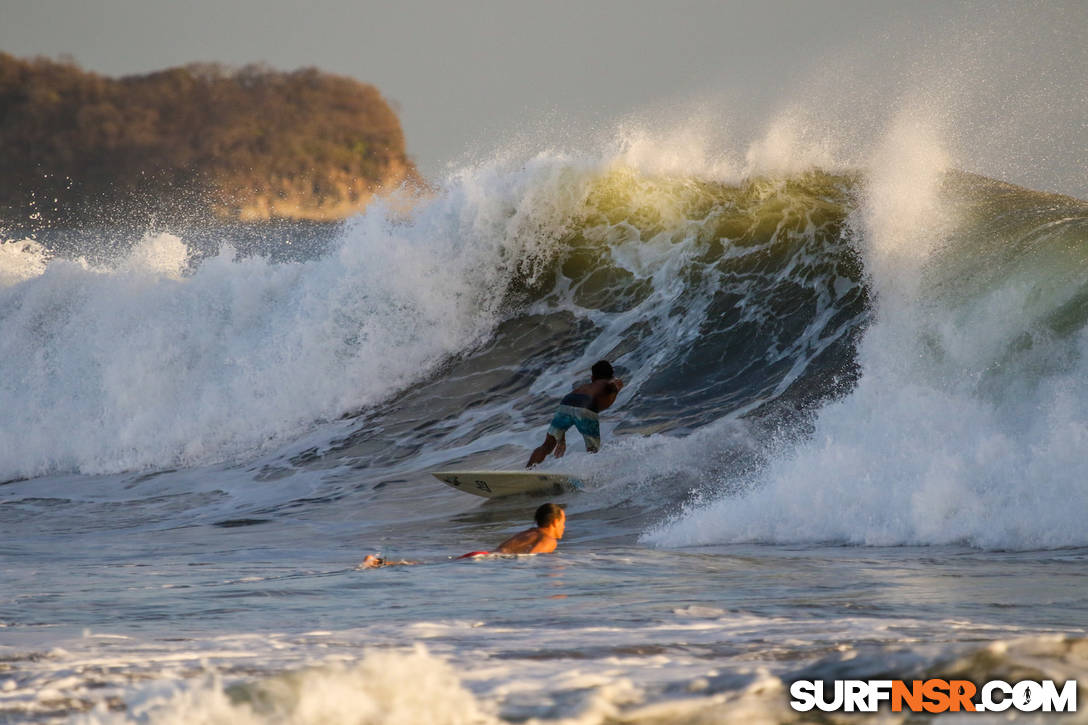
[
  {"x": 580, "y": 409},
  {"x": 551, "y": 524}
]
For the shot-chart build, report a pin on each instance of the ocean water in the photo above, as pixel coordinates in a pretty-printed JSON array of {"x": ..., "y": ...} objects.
[{"x": 853, "y": 443}]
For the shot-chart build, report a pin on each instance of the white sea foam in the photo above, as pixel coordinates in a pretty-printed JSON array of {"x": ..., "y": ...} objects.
[
  {"x": 383, "y": 687},
  {"x": 21, "y": 260},
  {"x": 790, "y": 146},
  {"x": 164, "y": 255},
  {"x": 276, "y": 679},
  {"x": 136, "y": 365},
  {"x": 951, "y": 434}
]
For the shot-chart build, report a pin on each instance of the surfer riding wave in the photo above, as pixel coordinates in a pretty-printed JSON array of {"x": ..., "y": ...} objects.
[{"x": 579, "y": 409}]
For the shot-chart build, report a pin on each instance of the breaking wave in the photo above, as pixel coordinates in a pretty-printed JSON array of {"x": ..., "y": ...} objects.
[{"x": 894, "y": 355}]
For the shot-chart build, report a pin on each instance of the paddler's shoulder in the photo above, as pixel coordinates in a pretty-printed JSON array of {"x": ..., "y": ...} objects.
[{"x": 523, "y": 543}]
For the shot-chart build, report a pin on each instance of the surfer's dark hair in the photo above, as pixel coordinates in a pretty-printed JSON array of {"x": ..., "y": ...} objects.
[
  {"x": 602, "y": 370},
  {"x": 547, "y": 513}
]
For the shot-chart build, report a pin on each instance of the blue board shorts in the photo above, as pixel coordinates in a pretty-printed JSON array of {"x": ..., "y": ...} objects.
[{"x": 574, "y": 411}]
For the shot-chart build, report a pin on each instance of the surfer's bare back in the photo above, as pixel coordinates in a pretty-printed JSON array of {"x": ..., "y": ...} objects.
[
  {"x": 551, "y": 522},
  {"x": 580, "y": 409}
]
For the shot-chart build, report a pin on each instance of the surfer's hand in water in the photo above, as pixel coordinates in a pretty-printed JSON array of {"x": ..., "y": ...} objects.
[{"x": 376, "y": 562}]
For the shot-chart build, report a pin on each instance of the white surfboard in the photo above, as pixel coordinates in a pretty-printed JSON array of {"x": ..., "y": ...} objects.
[{"x": 494, "y": 484}]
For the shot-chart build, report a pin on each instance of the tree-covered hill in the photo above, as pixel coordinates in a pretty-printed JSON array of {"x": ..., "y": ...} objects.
[{"x": 245, "y": 144}]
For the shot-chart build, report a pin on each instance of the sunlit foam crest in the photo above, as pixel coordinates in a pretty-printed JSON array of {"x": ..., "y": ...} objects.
[
  {"x": 702, "y": 148},
  {"x": 162, "y": 254},
  {"x": 903, "y": 215},
  {"x": 696, "y": 149},
  {"x": 21, "y": 260},
  {"x": 789, "y": 146},
  {"x": 158, "y": 254}
]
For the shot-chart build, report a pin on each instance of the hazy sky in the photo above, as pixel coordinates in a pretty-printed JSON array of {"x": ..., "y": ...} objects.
[{"x": 465, "y": 76}]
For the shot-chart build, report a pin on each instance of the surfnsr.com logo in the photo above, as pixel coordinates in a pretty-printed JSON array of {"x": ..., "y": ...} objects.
[{"x": 933, "y": 695}]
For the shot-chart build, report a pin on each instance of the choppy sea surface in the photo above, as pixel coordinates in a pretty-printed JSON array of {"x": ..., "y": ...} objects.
[{"x": 853, "y": 443}]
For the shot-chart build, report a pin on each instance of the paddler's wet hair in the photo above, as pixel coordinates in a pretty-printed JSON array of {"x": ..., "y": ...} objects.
[
  {"x": 547, "y": 514},
  {"x": 602, "y": 370}
]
